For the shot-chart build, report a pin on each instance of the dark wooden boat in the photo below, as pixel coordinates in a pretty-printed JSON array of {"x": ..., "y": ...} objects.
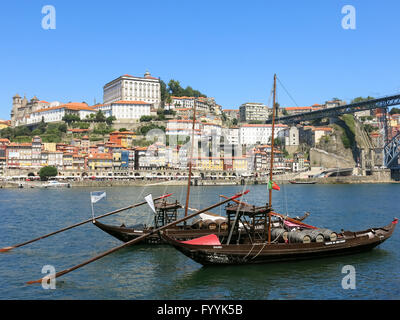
[
  {"x": 272, "y": 237},
  {"x": 180, "y": 232},
  {"x": 347, "y": 242},
  {"x": 166, "y": 212}
]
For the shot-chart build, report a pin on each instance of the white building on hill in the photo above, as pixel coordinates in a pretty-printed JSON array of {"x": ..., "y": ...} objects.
[
  {"x": 125, "y": 110},
  {"x": 130, "y": 88},
  {"x": 54, "y": 114},
  {"x": 260, "y": 133}
]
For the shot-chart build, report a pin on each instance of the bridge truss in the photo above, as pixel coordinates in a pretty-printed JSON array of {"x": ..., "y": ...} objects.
[
  {"x": 392, "y": 147},
  {"x": 383, "y": 103},
  {"x": 392, "y": 152}
]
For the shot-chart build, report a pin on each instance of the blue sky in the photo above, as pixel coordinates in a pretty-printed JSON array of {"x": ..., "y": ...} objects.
[{"x": 226, "y": 49}]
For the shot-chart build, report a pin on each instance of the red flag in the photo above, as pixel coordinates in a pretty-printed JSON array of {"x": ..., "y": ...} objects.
[{"x": 273, "y": 185}]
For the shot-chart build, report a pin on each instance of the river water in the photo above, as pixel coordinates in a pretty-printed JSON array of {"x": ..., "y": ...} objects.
[{"x": 161, "y": 272}]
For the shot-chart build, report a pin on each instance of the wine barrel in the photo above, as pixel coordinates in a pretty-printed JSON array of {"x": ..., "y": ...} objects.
[
  {"x": 198, "y": 224},
  {"x": 209, "y": 224},
  {"x": 315, "y": 234},
  {"x": 298, "y": 237},
  {"x": 279, "y": 234},
  {"x": 222, "y": 224},
  {"x": 328, "y": 234}
]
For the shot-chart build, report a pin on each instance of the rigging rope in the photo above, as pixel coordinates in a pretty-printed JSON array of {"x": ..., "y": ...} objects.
[{"x": 287, "y": 92}]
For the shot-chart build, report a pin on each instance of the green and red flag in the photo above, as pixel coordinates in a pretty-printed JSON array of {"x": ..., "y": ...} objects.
[{"x": 273, "y": 185}]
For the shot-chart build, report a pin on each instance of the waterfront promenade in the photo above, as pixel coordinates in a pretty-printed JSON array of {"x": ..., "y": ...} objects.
[{"x": 378, "y": 177}]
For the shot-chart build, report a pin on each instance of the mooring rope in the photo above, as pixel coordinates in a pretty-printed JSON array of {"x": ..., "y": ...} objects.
[
  {"x": 259, "y": 251},
  {"x": 244, "y": 258}
]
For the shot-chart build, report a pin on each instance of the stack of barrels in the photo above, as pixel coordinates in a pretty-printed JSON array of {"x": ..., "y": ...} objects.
[
  {"x": 303, "y": 236},
  {"x": 279, "y": 234},
  {"x": 209, "y": 224}
]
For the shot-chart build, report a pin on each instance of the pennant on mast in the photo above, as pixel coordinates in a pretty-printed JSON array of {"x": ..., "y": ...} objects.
[{"x": 150, "y": 202}]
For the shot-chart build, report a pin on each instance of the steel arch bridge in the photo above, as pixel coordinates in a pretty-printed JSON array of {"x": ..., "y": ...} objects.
[
  {"x": 392, "y": 153},
  {"x": 392, "y": 147},
  {"x": 383, "y": 103}
]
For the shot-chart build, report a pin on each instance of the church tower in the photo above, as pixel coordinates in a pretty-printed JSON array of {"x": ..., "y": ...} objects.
[{"x": 17, "y": 103}]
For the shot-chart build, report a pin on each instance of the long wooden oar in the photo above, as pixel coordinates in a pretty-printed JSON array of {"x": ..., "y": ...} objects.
[
  {"x": 80, "y": 223},
  {"x": 275, "y": 214},
  {"x": 131, "y": 242}
]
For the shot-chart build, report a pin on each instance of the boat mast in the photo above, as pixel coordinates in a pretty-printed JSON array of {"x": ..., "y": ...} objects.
[
  {"x": 272, "y": 161},
  {"x": 191, "y": 158}
]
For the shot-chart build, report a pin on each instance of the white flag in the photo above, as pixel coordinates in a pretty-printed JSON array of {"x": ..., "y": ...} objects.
[
  {"x": 150, "y": 202},
  {"x": 97, "y": 196}
]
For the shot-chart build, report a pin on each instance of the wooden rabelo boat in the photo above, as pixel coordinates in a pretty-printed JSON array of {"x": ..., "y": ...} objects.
[
  {"x": 208, "y": 250},
  {"x": 269, "y": 237},
  {"x": 166, "y": 212}
]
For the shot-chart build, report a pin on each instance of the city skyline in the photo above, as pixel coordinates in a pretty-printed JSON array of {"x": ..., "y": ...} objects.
[{"x": 227, "y": 52}]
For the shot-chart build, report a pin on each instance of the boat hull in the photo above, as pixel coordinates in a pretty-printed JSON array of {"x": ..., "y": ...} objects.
[
  {"x": 347, "y": 243},
  {"x": 179, "y": 232}
]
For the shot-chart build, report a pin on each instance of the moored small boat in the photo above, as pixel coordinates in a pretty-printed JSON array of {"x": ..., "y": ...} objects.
[
  {"x": 56, "y": 184},
  {"x": 302, "y": 182}
]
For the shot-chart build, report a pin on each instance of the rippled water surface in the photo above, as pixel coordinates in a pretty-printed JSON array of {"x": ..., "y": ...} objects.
[{"x": 161, "y": 272}]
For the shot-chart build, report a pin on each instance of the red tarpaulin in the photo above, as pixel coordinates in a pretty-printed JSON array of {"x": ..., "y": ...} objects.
[{"x": 209, "y": 240}]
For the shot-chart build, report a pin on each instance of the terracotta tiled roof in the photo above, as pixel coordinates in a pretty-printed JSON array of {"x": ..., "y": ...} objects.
[
  {"x": 183, "y": 121},
  {"x": 25, "y": 144},
  {"x": 322, "y": 129},
  {"x": 71, "y": 106},
  {"x": 298, "y": 108},
  {"x": 100, "y": 156},
  {"x": 264, "y": 125},
  {"x": 78, "y": 130}
]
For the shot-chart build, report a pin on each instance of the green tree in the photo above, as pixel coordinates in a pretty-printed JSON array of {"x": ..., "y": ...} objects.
[
  {"x": 36, "y": 132},
  {"x": 110, "y": 120},
  {"x": 144, "y": 129},
  {"x": 22, "y": 131},
  {"x": 42, "y": 126},
  {"x": 62, "y": 127},
  {"x": 46, "y": 172},
  {"x": 164, "y": 92},
  {"x": 69, "y": 118},
  {"x": 7, "y": 133},
  {"x": 146, "y": 118},
  {"x": 174, "y": 88},
  {"x": 100, "y": 117},
  {"x": 394, "y": 111},
  {"x": 361, "y": 99}
]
